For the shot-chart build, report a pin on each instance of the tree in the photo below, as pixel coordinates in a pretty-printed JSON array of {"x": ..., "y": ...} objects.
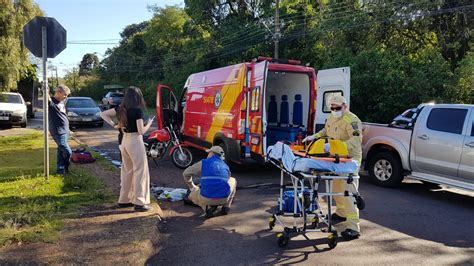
[
  {"x": 13, "y": 56},
  {"x": 89, "y": 63}
]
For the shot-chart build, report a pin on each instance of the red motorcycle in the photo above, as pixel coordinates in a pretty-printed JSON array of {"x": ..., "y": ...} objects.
[{"x": 159, "y": 142}]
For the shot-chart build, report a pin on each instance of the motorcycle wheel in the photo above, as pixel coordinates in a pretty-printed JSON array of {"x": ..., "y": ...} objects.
[{"x": 182, "y": 159}]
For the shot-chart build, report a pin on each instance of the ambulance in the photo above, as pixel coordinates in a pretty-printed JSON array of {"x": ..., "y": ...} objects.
[{"x": 247, "y": 107}]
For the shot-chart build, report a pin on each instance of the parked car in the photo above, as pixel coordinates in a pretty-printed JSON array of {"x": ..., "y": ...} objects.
[
  {"x": 112, "y": 99},
  {"x": 12, "y": 109},
  {"x": 83, "y": 111},
  {"x": 432, "y": 143}
]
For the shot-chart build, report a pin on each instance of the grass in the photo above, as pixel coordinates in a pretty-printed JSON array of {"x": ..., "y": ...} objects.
[{"x": 32, "y": 209}]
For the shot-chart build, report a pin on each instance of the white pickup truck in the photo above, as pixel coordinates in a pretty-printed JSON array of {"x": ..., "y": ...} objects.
[{"x": 433, "y": 143}]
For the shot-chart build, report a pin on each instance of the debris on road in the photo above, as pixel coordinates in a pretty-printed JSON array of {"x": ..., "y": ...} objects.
[{"x": 166, "y": 193}]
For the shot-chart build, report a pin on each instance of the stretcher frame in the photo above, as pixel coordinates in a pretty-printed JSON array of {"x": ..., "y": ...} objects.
[{"x": 300, "y": 207}]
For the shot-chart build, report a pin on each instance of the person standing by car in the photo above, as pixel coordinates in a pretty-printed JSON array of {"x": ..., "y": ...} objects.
[
  {"x": 59, "y": 127},
  {"x": 345, "y": 126},
  {"x": 134, "y": 174}
]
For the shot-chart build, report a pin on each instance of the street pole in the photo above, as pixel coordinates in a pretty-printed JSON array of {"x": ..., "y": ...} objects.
[
  {"x": 45, "y": 102},
  {"x": 74, "y": 78},
  {"x": 277, "y": 29},
  {"x": 57, "y": 79}
]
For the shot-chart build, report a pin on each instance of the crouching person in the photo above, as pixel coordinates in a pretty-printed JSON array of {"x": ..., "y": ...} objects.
[{"x": 217, "y": 187}]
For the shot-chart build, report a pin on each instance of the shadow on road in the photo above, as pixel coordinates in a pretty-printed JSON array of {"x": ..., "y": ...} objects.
[{"x": 422, "y": 211}]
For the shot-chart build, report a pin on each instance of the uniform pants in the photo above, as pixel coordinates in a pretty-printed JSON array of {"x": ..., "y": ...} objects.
[
  {"x": 345, "y": 206},
  {"x": 196, "y": 197},
  {"x": 134, "y": 175}
]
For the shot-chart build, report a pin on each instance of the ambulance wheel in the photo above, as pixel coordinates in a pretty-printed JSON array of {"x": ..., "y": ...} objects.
[
  {"x": 182, "y": 158},
  {"x": 271, "y": 223},
  {"x": 332, "y": 240},
  {"x": 283, "y": 239}
]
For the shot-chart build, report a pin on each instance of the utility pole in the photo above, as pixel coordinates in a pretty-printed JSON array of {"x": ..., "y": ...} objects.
[
  {"x": 57, "y": 79},
  {"x": 74, "y": 78},
  {"x": 277, "y": 34}
]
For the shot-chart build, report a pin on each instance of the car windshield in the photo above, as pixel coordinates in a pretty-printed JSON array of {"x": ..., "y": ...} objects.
[
  {"x": 80, "y": 103},
  {"x": 116, "y": 94},
  {"x": 9, "y": 98}
]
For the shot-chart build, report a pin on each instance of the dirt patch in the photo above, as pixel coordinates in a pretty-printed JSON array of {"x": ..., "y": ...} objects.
[{"x": 100, "y": 235}]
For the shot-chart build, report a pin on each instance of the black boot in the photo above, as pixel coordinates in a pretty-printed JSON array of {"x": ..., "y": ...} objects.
[{"x": 350, "y": 234}]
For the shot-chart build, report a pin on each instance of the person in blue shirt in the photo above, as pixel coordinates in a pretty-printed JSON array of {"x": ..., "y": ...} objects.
[
  {"x": 59, "y": 127},
  {"x": 217, "y": 186}
]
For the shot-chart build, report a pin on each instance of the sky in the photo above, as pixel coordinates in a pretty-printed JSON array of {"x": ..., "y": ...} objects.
[{"x": 94, "y": 21}]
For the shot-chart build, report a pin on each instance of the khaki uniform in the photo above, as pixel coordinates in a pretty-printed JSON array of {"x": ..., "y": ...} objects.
[
  {"x": 348, "y": 129},
  {"x": 195, "y": 195}
]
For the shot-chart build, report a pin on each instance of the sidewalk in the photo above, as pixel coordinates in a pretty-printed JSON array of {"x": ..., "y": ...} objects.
[{"x": 99, "y": 234}]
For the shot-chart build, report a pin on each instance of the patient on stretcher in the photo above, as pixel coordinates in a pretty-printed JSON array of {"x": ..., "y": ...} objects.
[{"x": 293, "y": 163}]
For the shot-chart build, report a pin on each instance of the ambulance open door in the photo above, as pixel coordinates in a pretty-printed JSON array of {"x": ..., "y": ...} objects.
[
  {"x": 335, "y": 81},
  {"x": 257, "y": 111},
  {"x": 166, "y": 107}
]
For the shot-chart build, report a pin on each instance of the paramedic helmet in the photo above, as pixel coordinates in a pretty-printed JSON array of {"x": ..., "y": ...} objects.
[
  {"x": 338, "y": 100},
  {"x": 217, "y": 150}
]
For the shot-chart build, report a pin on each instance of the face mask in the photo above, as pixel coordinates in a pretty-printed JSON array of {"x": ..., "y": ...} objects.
[{"x": 337, "y": 114}]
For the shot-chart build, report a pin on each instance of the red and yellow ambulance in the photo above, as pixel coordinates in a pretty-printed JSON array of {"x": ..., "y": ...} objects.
[{"x": 245, "y": 108}]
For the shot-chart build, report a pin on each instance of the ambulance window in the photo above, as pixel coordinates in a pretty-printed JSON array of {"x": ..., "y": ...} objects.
[
  {"x": 326, "y": 96},
  {"x": 255, "y": 99}
]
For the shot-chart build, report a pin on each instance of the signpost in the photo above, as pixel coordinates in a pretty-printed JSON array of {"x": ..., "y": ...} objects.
[{"x": 45, "y": 38}]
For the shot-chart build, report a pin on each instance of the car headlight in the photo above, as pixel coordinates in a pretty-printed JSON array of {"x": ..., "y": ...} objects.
[
  {"x": 71, "y": 114},
  {"x": 97, "y": 114},
  {"x": 19, "y": 112}
]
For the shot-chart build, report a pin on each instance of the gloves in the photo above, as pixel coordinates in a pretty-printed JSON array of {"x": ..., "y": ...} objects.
[
  {"x": 309, "y": 138},
  {"x": 327, "y": 147}
]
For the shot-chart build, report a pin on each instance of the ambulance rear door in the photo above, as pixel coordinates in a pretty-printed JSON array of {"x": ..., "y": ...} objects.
[
  {"x": 166, "y": 107},
  {"x": 334, "y": 81},
  {"x": 257, "y": 113}
]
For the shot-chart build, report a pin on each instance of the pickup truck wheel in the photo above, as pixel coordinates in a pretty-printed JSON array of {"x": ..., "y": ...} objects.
[{"x": 385, "y": 170}]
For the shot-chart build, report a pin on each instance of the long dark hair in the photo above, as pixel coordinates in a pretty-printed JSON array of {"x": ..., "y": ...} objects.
[{"x": 133, "y": 98}]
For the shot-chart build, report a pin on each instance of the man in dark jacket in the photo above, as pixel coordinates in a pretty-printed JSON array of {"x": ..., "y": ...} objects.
[
  {"x": 217, "y": 187},
  {"x": 59, "y": 127}
]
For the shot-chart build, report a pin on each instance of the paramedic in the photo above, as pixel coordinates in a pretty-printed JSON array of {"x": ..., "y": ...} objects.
[
  {"x": 217, "y": 186},
  {"x": 345, "y": 126}
]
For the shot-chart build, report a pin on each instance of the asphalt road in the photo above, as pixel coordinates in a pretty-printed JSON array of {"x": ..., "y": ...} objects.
[{"x": 413, "y": 224}]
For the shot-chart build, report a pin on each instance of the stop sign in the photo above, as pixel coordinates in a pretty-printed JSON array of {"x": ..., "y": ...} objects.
[{"x": 56, "y": 36}]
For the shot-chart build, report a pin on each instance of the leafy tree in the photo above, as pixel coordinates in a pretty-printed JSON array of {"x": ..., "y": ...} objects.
[
  {"x": 13, "y": 56},
  {"x": 89, "y": 63}
]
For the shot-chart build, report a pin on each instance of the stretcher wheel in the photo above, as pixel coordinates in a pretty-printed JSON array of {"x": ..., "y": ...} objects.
[
  {"x": 283, "y": 239},
  {"x": 271, "y": 222},
  {"x": 360, "y": 202},
  {"x": 332, "y": 240},
  {"x": 314, "y": 222}
]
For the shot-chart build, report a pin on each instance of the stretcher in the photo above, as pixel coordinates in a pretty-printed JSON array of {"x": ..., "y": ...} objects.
[{"x": 306, "y": 175}]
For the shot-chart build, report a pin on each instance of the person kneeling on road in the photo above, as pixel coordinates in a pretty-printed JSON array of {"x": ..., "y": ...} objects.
[{"x": 217, "y": 186}]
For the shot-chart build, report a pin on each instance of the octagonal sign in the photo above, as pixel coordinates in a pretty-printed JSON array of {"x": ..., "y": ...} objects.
[{"x": 56, "y": 36}]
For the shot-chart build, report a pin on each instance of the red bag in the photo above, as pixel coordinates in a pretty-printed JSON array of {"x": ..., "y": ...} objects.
[{"x": 82, "y": 157}]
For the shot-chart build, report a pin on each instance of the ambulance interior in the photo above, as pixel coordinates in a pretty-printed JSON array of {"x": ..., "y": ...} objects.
[{"x": 287, "y": 102}]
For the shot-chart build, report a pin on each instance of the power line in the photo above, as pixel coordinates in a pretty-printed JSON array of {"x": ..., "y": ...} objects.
[{"x": 314, "y": 31}]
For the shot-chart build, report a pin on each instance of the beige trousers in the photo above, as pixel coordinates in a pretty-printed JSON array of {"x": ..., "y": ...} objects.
[
  {"x": 345, "y": 206},
  {"x": 134, "y": 175},
  {"x": 196, "y": 197}
]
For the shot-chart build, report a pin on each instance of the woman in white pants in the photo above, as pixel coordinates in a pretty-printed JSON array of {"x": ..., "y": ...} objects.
[{"x": 134, "y": 175}]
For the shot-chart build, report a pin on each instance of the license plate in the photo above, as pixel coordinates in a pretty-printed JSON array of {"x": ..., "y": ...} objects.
[
  {"x": 87, "y": 119},
  {"x": 4, "y": 118}
]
